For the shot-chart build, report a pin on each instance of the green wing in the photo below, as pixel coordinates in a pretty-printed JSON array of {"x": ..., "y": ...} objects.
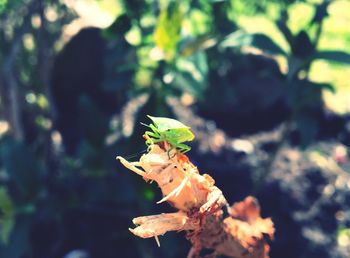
[{"x": 164, "y": 123}]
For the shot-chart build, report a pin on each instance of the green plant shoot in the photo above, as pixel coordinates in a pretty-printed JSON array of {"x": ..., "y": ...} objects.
[{"x": 169, "y": 130}]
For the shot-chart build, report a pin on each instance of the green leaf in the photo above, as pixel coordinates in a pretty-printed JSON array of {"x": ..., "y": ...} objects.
[
  {"x": 258, "y": 40},
  {"x": 282, "y": 25},
  {"x": 23, "y": 167},
  {"x": 325, "y": 86},
  {"x": 343, "y": 232},
  {"x": 333, "y": 56},
  {"x": 236, "y": 39},
  {"x": 7, "y": 219},
  {"x": 266, "y": 44},
  {"x": 167, "y": 33},
  {"x": 302, "y": 46},
  {"x": 190, "y": 47},
  {"x": 119, "y": 27},
  {"x": 3, "y": 4},
  {"x": 19, "y": 238},
  {"x": 321, "y": 12},
  {"x": 192, "y": 74}
]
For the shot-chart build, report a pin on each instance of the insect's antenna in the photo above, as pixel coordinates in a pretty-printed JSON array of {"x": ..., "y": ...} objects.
[
  {"x": 136, "y": 154},
  {"x": 144, "y": 124}
]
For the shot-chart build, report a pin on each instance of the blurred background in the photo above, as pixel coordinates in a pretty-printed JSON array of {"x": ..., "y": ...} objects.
[{"x": 263, "y": 84}]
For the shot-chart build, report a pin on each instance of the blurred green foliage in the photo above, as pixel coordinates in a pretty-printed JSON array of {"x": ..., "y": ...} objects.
[
  {"x": 168, "y": 29},
  {"x": 7, "y": 215},
  {"x": 159, "y": 48},
  {"x": 344, "y": 236}
]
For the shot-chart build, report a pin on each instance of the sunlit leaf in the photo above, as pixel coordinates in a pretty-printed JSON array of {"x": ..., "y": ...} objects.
[
  {"x": 260, "y": 41},
  {"x": 3, "y": 4},
  {"x": 236, "y": 39},
  {"x": 343, "y": 236},
  {"x": 200, "y": 43},
  {"x": 168, "y": 29}
]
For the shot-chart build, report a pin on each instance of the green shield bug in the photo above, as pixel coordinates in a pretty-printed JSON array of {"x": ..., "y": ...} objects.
[{"x": 169, "y": 130}]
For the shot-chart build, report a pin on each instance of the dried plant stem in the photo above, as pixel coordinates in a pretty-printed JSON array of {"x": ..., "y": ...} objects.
[{"x": 203, "y": 211}]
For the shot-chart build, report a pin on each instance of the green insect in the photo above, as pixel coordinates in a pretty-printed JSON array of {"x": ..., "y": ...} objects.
[{"x": 169, "y": 130}]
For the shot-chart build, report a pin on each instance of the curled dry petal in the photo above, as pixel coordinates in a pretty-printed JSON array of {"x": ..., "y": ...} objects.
[
  {"x": 156, "y": 225},
  {"x": 248, "y": 211}
]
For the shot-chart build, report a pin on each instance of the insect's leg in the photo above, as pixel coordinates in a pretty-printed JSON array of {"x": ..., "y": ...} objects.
[
  {"x": 155, "y": 134},
  {"x": 183, "y": 148},
  {"x": 154, "y": 129},
  {"x": 132, "y": 166},
  {"x": 154, "y": 141},
  {"x": 152, "y": 137},
  {"x": 173, "y": 146},
  {"x": 152, "y": 134}
]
